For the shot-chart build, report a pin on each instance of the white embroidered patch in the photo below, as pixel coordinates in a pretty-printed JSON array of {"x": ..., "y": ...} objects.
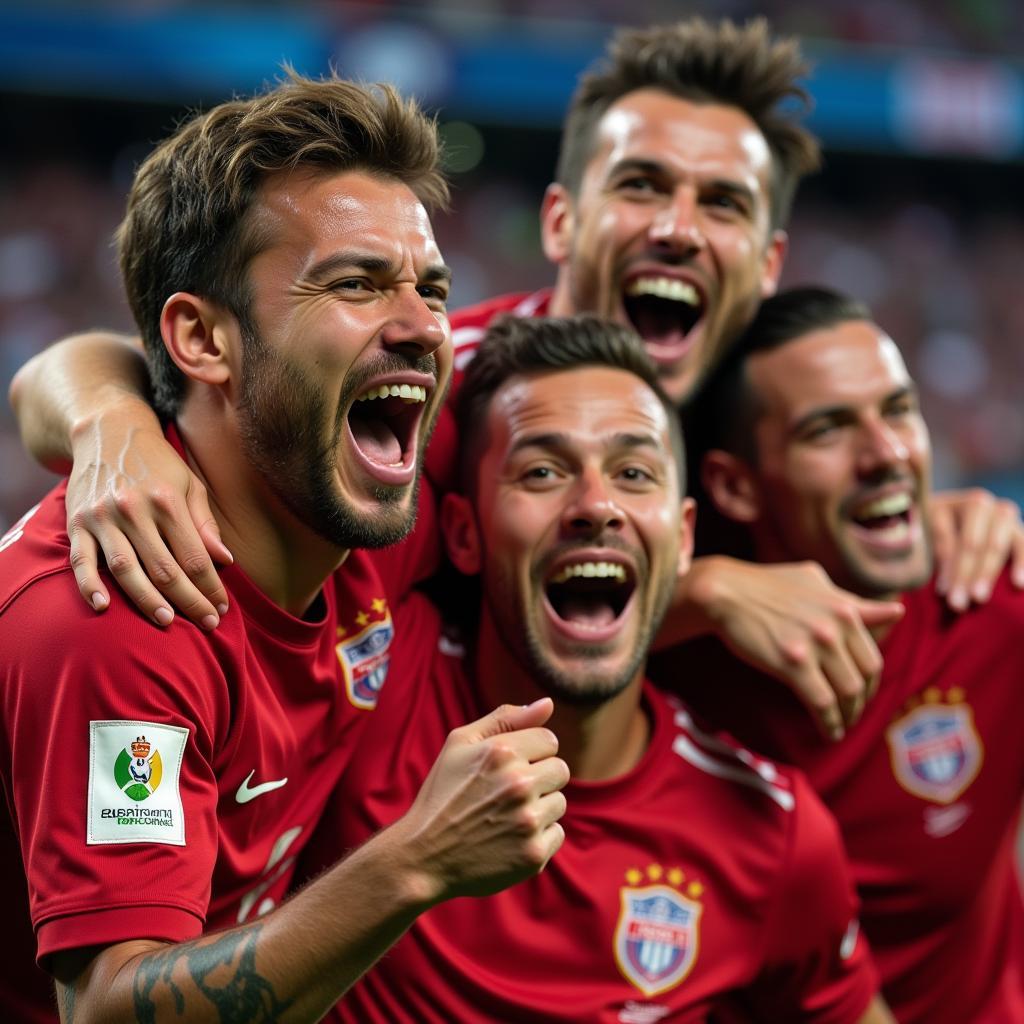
[{"x": 134, "y": 794}]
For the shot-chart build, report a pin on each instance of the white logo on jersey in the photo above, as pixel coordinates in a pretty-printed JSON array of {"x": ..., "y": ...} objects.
[
  {"x": 849, "y": 943},
  {"x": 17, "y": 531},
  {"x": 245, "y": 792}
]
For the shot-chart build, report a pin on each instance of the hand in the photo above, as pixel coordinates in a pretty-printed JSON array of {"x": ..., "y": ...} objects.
[
  {"x": 794, "y": 623},
  {"x": 974, "y": 534},
  {"x": 131, "y": 495},
  {"x": 487, "y": 814}
]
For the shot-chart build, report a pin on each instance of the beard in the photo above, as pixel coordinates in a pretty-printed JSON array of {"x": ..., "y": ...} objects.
[{"x": 290, "y": 436}]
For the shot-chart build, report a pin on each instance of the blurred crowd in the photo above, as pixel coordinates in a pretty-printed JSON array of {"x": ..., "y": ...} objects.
[{"x": 945, "y": 286}]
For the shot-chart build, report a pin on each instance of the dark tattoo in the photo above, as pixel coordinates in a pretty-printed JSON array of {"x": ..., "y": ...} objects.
[
  {"x": 68, "y": 1009},
  {"x": 222, "y": 967}
]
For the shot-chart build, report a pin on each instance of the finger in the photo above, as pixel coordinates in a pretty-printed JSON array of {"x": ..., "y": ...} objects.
[
  {"x": 879, "y": 613},
  {"x": 995, "y": 551},
  {"x": 83, "y": 558},
  {"x": 191, "y": 584},
  {"x": 207, "y": 528},
  {"x": 548, "y": 775},
  {"x": 132, "y": 580},
  {"x": 846, "y": 680},
  {"x": 508, "y": 718},
  {"x": 552, "y": 837},
  {"x": 943, "y": 531},
  {"x": 966, "y": 552},
  {"x": 804, "y": 677},
  {"x": 866, "y": 656},
  {"x": 550, "y": 809},
  {"x": 1017, "y": 557}
]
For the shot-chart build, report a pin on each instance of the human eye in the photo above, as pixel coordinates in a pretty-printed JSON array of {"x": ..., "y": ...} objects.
[
  {"x": 434, "y": 294},
  {"x": 727, "y": 202},
  {"x": 820, "y": 431},
  {"x": 637, "y": 477},
  {"x": 540, "y": 476},
  {"x": 350, "y": 284}
]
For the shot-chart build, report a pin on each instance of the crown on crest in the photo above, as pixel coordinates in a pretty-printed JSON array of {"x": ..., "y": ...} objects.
[{"x": 140, "y": 747}]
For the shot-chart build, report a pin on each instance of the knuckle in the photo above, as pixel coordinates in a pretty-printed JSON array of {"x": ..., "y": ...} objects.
[
  {"x": 535, "y": 853},
  {"x": 527, "y": 820},
  {"x": 194, "y": 565},
  {"x": 163, "y": 573},
  {"x": 518, "y": 788},
  {"x": 120, "y": 563},
  {"x": 164, "y": 499},
  {"x": 126, "y": 504},
  {"x": 825, "y": 635}
]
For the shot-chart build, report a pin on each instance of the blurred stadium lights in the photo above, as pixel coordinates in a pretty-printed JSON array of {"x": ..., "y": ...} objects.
[{"x": 484, "y": 69}]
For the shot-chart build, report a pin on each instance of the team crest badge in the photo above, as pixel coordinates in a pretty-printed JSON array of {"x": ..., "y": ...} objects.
[
  {"x": 657, "y": 935},
  {"x": 935, "y": 750},
  {"x": 138, "y": 770},
  {"x": 364, "y": 661}
]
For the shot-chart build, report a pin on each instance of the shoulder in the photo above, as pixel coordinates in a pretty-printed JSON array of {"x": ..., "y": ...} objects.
[
  {"x": 35, "y": 546},
  {"x": 470, "y": 324},
  {"x": 736, "y": 769}
]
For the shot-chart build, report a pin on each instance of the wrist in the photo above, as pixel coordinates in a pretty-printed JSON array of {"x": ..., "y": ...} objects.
[{"x": 112, "y": 408}]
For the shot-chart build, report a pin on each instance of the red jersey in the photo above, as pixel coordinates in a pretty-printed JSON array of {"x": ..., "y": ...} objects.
[
  {"x": 468, "y": 328},
  {"x": 162, "y": 782},
  {"x": 927, "y": 791},
  {"x": 701, "y": 880}
]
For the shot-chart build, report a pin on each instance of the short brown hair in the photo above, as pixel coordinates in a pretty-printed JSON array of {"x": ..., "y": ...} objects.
[
  {"x": 515, "y": 346},
  {"x": 186, "y": 227},
  {"x": 735, "y": 65}
]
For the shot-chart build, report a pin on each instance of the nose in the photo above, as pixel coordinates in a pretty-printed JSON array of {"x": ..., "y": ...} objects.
[
  {"x": 676, "y": 224},
  {"x": 880, "y": 446},
  {"x": 592, "y": 508},
  {"x": 413, "y": 328}
]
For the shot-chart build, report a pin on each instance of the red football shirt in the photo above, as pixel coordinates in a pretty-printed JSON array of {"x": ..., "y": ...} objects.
[
  {"x": 927, "y": 791},
  {"x": 703, "y": 878},
  {"x": 162, "y": 782}
]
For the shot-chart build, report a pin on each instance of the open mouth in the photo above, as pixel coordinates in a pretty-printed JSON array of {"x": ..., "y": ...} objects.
[
  {"x": 384, "y": 423},
  {"x": 588, "y": 599},
  {"x": 888, "y": 521},
  {"x": 664, "y": 312}
]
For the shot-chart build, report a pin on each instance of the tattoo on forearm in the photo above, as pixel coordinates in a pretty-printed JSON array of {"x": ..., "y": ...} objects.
[
  {"x": 223, "y": 968},
  {"x": 68, "y": 1003}
]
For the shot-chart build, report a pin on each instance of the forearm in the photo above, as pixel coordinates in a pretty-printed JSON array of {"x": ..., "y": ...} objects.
[
  {"x": 289, "y": 966},
  {"x": 60, "y": 393}
]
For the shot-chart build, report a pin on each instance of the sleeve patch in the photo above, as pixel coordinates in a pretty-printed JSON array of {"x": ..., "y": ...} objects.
[{"x": 134, "y": 792}]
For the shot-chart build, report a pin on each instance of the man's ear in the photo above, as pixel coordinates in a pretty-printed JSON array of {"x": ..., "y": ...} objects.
[
  {"x": 687, "y": 522},
  {"x": 771, "y": 267},
  {"x": 731, "y": 485},
  {"x": 557, "y": 223},
  {"x": 461, "y": 533},
  {"x": 195, "y": 334}
]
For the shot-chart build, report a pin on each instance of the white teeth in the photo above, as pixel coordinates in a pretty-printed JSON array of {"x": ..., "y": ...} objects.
[
  {"x": 407, "y": 392},
  {"x": 664, "y": 288},
  {"x": 892, "y": 505},
  {"x": 591, "y": 570}
]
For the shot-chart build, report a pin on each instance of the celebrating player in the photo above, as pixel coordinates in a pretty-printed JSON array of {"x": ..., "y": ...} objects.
[
  {"x": 813, "y": 445},
  {"x": 680, "y": 157},
  {"x": 695, "y": 881},
  {"x": 281, "y": 265}
]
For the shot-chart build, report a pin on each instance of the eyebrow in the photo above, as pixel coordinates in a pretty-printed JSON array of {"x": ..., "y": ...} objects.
[
  {"x": 839, "y": 411},
  {"x": 655, "y": 167},
  {"x": 355, "y": 259},
  {"x": 560, "y": 442}
]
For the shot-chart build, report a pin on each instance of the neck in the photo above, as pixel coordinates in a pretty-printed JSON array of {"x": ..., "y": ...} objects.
[
  {"x": 283, "y": 557},
  {"x": 561, "y": 303},
  {"x": 598, "y": 741}
]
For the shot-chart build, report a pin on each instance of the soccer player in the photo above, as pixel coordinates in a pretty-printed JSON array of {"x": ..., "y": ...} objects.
[
  {"x": 813, "y": 446},
  {"x": 695, "y": 881},
  {"x": 680, "y": 157},
  {"x": 282, "y": 268}
]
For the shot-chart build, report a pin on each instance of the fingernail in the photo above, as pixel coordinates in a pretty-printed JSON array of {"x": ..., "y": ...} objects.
[
  {"x": 958, "y": 598},
  {"x": 164, "y": 616},
  {"x": 222, "y": 609},
  {"x": 981, "y": 591},
  {"x": 98, "y": 600},
  {"x": 837, "y": 733},
  {"x": 1018, "y": 577},
  {"x": 209, "y": 622}
]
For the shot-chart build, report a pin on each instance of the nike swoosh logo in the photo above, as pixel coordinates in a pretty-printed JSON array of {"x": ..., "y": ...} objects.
[{"x": 245, "y": 792}]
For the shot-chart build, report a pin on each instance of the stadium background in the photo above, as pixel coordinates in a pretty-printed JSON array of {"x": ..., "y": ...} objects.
[{"x": 918, "y": 210}]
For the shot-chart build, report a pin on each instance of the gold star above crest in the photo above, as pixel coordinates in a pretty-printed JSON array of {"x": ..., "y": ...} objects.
[
  {"x": 634, "y": 876},
  {"x": 654, "y": 872},
  {"x": 362, "y": 618},
  {"x": 340, "y": 631},
  {"x": 695, "y": 890},
  {"x": 675, "y": 877},
  {"x": 379, "y": 604}
]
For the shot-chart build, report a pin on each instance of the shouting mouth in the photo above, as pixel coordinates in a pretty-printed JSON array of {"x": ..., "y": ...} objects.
[
  {"x": 664, "y": 311},
  {"x": 384, "y": 423},
  {"x": 887, "y": 523},
  {"x": 587, "y": 598}
]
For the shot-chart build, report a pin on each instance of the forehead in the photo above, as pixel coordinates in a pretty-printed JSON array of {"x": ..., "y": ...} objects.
[
  {"x": 312, "y": 214},
  {"x": 697, "y": 138},
  {"x": 589, "y": 406},
  {"x": 850, "y": 364}
]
